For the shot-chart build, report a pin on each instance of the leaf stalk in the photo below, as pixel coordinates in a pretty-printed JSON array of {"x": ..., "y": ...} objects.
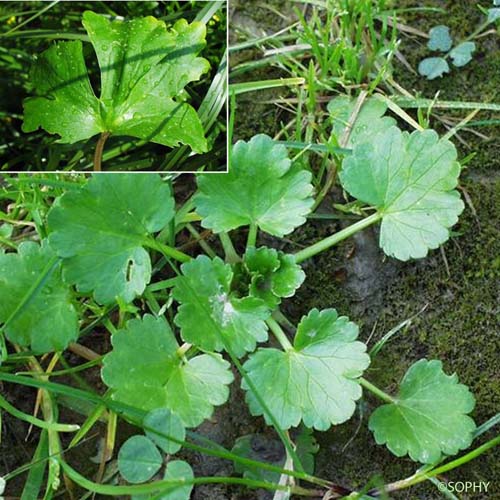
[
  {"x": 229, "y": 251},
  {"x": 375, "y": 390},
  {"x": 252, "y": 235},
  {"x": 166, "y": 250},
  {"x": 333, "y": 239},
  {"x": 279, "y": 334},
  {"x": 99, "y": 150}
]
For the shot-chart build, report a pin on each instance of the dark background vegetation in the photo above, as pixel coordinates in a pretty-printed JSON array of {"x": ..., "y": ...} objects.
[{"x": 39, "y": 151}]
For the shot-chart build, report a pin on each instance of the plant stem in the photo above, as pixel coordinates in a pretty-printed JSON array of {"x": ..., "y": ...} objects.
[
  {"x": 136, "y": 416},
  {"x": 283, "y": 320},
  {"x": 166, "y": 250},
  {"x": 183, "y": 349},
  {"x": 427, "y": 474},
  {"x": 252, "y": 235},
  {"x": 231, "y": 255},
  {"x": 332, "y": 240},
  {"x": 99, "y": 150},
  {"x": 279, "y": 334},
  {"x": 199, "y": 238},
  {"x": 375, "y": 390},
  {"x": 331, "y": 174},
  {"x": 167, "y": 484},
  {"x": 83, "y": 352},
  {"x": 42, "y": 424}
]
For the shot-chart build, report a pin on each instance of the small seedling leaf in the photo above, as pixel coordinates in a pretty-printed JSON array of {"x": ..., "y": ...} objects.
[
  {"x": 494, "y": 14},
  {"x": 462, "y": 54},
  {"x": 433, "y": 67},
  {"x": 138, "y": 459},
  {"x": 369, "y": 121},
  {"x": 176, "y": 469},
  {"x": 100, "y": 229},
  {"x": 165, "y": 423},
  {"x": 429, "y": 417},
  {"x": 6, "y": 230},
  {"x": 273, "y": 274},
  {"x": 210, "y": 315},
  {"x": 261, "y": 188},
  {"x": 316, "y": 380},
  {"x": 144, "y": 67},
  {"x": 411, "y": 179},
  {"x": 157, "y": 377},
  {"x": 440, "y": 39},
  {"x": 48, "y": 320}
]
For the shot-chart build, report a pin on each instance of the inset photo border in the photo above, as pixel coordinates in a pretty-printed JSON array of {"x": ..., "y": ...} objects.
[{"x": 113, "y": 86}]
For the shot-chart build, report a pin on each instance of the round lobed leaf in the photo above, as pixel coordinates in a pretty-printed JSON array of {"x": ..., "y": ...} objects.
[
  {"x": 48, "y": 320},
  {"x": 433, "y": 67},
  {"x": 462, "y": 54},
  {"x": 157, "y": 377},
  {"x": 144, "y": 67},
  {"x": 316, "y": 380},
  {"x": 411, "y": 179},
  {"x": 494, "y": 13},
  {"x": 176, "y": 469},
  {"x": 369, "y": 121},
  {"x": 138, "y": 459},
  {"x": 100, "y": 229},
  {"x": 261, "y": 188},
  {"x": 428, "y": 418},
  {"x": 210, "y": 316},
  {"x": 439, "y": 38},
  {"x": 163, "y": 422}
]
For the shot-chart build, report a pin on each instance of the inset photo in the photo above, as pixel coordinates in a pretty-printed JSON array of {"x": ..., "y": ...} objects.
[{"x": 113, "y": 86}]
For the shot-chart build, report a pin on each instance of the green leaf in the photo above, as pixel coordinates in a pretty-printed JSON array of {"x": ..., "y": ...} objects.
[
  {"x": 176, "y": 469},
  {"x": 462, "y": 54},
  {"x": 411, "y": 179},
  {"x": 429, "y": 417},
  {"x": 164, "y": 422},
  {"x": 440, "y": 39},
  {"x": 433, "y": 67},
  {"x": 36, "y": 475},
  {"x": 65, "y": 102},
  {"x": 138, "y": 459},
  {"x": 48, "y": 321},
  {"x": 273, "y": 274},
  {"x": 369, "y": 121},
  {"x": 494, "y": 14},
  {"x": 100, "y": 229},
  {"x": 156, "y": 377},
  {"x": 210, "y": 315},
  {"x": 261, "y": 188},
  {"x": 316, "y": 380},
  {"x": 6, "y": 230},
  {"x": 144, "y": 67}
]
